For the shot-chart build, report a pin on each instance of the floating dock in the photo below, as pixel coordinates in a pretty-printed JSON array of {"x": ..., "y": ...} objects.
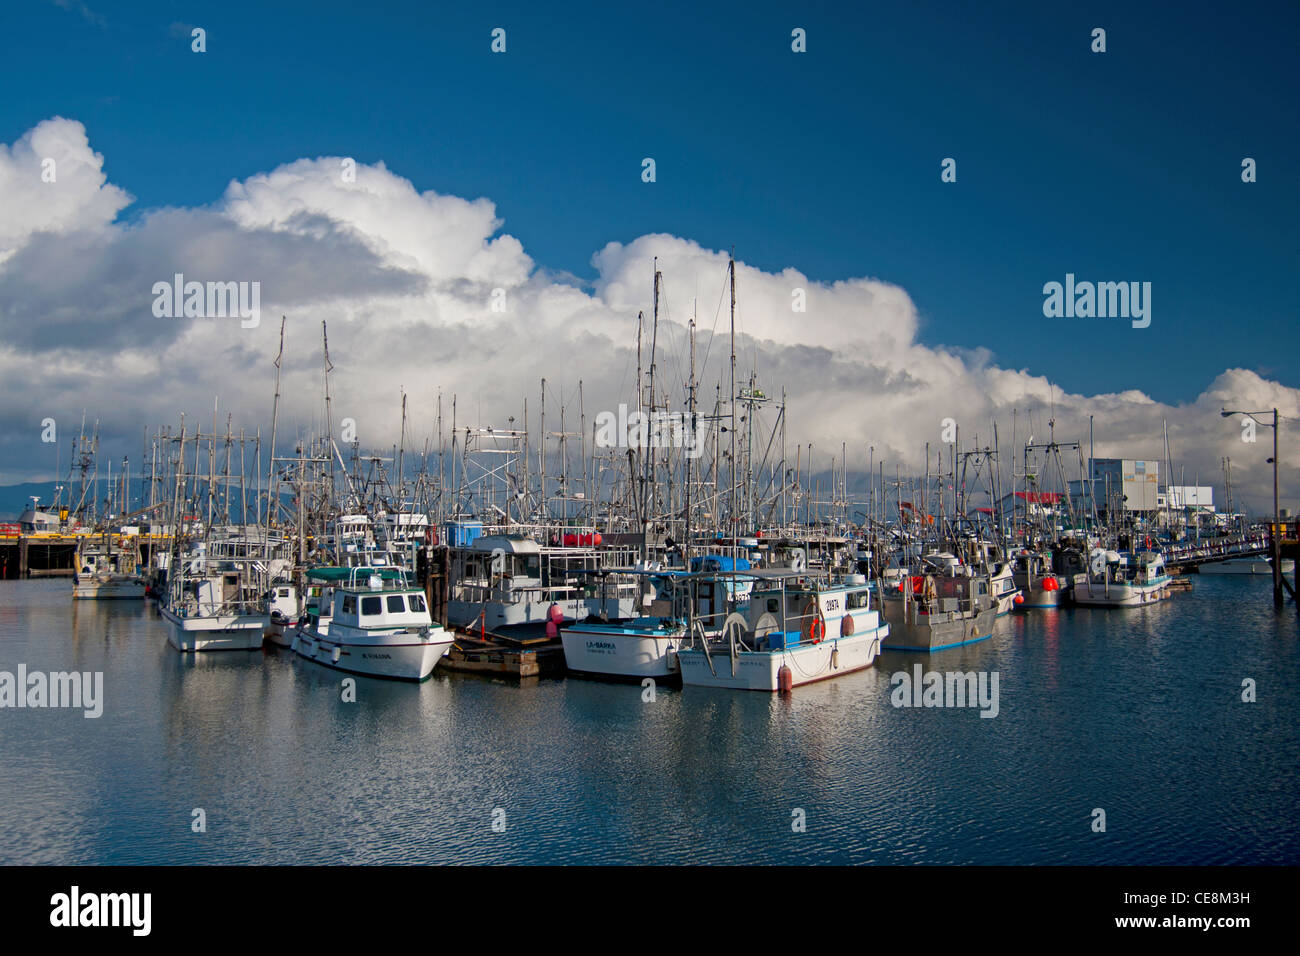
[{"x": 490, "y": 653}]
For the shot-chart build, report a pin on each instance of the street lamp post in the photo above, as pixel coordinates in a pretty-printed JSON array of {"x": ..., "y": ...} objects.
[{"x": 1275, "y": 545}]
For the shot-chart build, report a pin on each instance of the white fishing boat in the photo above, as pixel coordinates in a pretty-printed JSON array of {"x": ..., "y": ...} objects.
[
  {"x": 510, "y": 582},
  {"x": 791, "y": 633},
  {"x": 380, "y": 626},
  {"x": 214, "y": 610},
  {"x": 104, "y": 573},
  {"x": 1005, "y": 590},
  {"x": 215, "y": 597},
  {"x": 282, "y": 603},
  {"x": 1113, "y": 580},
  {"x": 647, "y": 645}
]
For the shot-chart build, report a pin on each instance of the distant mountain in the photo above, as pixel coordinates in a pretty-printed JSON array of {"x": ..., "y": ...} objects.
[{"x": 15, "y": 498}]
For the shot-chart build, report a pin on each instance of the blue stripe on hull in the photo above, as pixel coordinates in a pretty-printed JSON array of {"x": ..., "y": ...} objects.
[{"x": 941, "y": 647}]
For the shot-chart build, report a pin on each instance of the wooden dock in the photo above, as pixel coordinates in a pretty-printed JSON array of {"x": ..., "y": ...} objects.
[
  {"x": 489, "y": 653},
  {"x": 50, "y": 554}
]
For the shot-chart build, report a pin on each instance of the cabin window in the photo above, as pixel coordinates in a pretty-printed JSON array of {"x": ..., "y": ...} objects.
[
  {"x": 857, "y": 599},
  {"x": 349, "y": 604},
  {"x": 417, "y": 603},
  {"x": 396, "y": 605},
  {"x": 283, "y": 592},
  {"x": 371, "y": 605},
  {"x": 773, "y": 606}
]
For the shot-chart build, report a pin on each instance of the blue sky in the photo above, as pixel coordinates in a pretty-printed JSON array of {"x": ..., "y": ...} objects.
[{"x": 1116, "y": 166}]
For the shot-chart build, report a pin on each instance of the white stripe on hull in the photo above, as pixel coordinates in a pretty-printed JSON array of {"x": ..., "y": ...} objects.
[{"x": 759, "y": 670}]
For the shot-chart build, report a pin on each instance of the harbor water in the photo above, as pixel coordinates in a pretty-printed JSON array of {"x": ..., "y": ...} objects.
[{"x": 1138, "y": 713}]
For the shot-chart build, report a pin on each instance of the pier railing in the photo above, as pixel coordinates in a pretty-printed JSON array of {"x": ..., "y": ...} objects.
[{"x": 1192, "y": 553}]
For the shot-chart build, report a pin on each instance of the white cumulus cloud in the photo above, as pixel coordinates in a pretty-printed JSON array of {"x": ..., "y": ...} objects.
[{"x": 406, "y": 281}]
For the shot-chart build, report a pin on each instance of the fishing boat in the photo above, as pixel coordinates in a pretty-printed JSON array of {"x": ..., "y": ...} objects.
[
  {"x": 507, "y": 583},
  {"x": 1121, "y": 580},
  {"x": 946, "y": 605},
  {"x": 1035, "y": 577},
  {"x": 379, "y": 626},
  {"x": 647, "y": 645},
  {"x": 792, "y": 632},
  {"x": 214, "y": 602},
  {"x": 36, "y": 522},
  {"x": 104, "y": 573},
  {"x": 282, "y": 603},
  {"x": 1005, "y": 590}
]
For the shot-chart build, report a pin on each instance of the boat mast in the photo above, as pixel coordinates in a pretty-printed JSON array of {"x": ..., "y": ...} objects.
[
  {"x": 731, "y": 273},
  {"x": 695, "y": 447},
  {"x": 272, "y": 484},
  {"x": 647, "y": 462}
]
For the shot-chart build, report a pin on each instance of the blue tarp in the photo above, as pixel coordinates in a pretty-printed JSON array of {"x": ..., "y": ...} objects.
[{"x": 718, "y": 562}]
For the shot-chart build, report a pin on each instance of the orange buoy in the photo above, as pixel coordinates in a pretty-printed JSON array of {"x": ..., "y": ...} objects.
[
  {"x": 846, "y": 625},
  {"x": 785, "y": 679}
]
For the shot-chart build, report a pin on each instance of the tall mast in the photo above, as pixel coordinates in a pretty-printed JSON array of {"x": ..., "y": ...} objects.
[
  {"x": 695, "y": 447},
  {"x": 731, "y": 273},
  {"x": 647, "y": 464},
  {"x": 329, "y": 420},
  {"x": 272, "y": 482}
]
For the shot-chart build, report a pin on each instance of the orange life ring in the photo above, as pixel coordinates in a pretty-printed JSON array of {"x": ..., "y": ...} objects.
[{"x": 815, "y": 629}]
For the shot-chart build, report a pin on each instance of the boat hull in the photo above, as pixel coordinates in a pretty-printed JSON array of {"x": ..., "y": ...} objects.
[
  {"x": 1099, "y": 594},
  {"x": 912, "y": 630},
  {"x": 402, "y": 657},
  {"x": 760, "y": 670},
  {"x": 620, "y": 653},
  {"x": 107, "y": 590},
  {"x": 1038, "y": 598},
  {"x": 279, "y": 634},
  {"x": 223, "y": 632}
]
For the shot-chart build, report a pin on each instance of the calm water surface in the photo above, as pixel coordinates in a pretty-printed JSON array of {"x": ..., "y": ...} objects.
[{"x": 1137, "y": 712}]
